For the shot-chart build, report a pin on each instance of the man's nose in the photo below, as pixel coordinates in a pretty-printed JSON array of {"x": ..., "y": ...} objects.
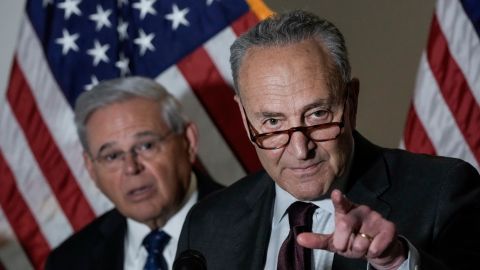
[
  {"x": 132, "y": 165},
  {"x": 300, "y": 145}
]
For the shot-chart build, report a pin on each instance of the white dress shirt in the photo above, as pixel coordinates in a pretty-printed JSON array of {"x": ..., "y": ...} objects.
[
  {"x": 136, "y": 254},
  {"x": 323, "y": 222}
]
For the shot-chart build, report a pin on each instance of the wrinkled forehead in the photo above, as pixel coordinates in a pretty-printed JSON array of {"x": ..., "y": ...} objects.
[{"x": 285, "y": 74}]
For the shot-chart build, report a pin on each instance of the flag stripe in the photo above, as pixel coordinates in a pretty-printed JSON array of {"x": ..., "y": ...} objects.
[
  {"x": 12, "y": 255},
  {"x": 435, "y": 115},
  {"x": 453, "y": 86},
  {"x": 31, "y": 182},
  {"x": 416, "y": 139},
  {"x": 218, "y": 49},
  {"x": 244, "y": 23},
  {"x": 56, "y": 112},
  {"x": 217, "y": 98},
  {"x": 463, "y": 41},
  {"x": 20, "y": 217},
  {"x": 221, "y": 163},
  {"x": 46, "y": 152}
]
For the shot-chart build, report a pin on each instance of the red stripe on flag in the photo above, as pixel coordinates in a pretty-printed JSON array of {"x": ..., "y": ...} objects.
[
  {"x": 21, "y": 219},
  {"x": 217, "y": 98},
  {"x": 454, "y": 87},
  {"x": 415, "y": 137},
  {"x": 46, "y": 152},
  {"x": 244, "y": 23}
]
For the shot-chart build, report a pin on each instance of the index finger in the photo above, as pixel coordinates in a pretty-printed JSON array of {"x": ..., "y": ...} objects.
[{"x": 341, "y": 204}]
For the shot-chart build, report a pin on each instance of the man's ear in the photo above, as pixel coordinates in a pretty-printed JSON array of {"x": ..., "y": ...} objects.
[
  {"x": 89, "y": 165},
  {"x": 353, "y": 92},
  {"x": 242, "y": 112},
  {"x": 191, "y": 134}
]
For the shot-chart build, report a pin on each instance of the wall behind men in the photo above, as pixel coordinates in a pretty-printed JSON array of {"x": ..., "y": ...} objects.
[{"x": 385, "y": 39}]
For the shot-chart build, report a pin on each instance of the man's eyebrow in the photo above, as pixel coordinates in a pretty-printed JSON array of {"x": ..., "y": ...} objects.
[
  {"x": 105, "y": 146},
  {"x": 147, "y": 133},
  {"x": 317, "y": 104}
]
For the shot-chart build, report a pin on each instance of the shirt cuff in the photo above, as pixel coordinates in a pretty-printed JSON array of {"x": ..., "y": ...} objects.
[{"x": 413, "y": 257}]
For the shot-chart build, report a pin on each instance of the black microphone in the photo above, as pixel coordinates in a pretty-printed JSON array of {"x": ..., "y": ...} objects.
[{"x": 190, "y": 259}]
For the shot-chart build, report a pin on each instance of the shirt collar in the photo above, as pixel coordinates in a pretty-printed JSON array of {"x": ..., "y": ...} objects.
[
  {"x": 136, "y": 231},
  {"x": 283, "y": 199}
]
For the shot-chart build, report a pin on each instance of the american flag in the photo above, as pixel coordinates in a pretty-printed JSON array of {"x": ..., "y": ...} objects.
[
  {"x": 444, "y": 117},
  {"x": 67, "y": 46}
]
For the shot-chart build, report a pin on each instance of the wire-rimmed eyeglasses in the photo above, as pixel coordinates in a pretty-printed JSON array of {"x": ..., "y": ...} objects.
[{"x": 146, "y": 148}]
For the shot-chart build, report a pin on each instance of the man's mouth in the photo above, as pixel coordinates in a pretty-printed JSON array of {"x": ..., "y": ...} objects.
[{"x": 140, "y": 193}]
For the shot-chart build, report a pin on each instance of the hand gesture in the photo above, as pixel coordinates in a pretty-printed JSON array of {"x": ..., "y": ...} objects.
[{"x": 359, "y": 232}]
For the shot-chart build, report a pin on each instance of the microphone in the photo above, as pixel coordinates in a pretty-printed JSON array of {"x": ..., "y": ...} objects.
[{"x": 190, "y": 259}]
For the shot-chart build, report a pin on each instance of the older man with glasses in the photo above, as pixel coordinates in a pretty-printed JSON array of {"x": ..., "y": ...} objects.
[
  {"x": 139, "y": 148},
  {"x": 368, "y": 207}
]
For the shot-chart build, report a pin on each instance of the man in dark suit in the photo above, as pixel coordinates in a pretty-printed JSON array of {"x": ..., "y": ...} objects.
[
  {"x": 368, "y": 207},
  {"x": 139, "y": 149}
]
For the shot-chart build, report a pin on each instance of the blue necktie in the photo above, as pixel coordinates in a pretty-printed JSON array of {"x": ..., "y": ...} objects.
[{"x": 154, "y": 243}]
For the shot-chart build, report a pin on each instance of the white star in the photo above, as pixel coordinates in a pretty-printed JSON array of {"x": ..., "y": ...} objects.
[
  {"x": 67, "y": 41},
  {"x": 209, "y": 2},
  {"x": 93, "y": 82},
  {"x": 177, "y": 17},
  {"x": 145, "y": 6},
  {"x": 122, "y": 64},
  {"x": 70, "y": 6},
  {"x": 99, "y": 53},
  {"x": 122, "y": 2},
  {"x": 47, "y": 2},
  {"x": 144, "y": 41},
  {"x": 101, "y": 18},
  {"x": 122, "y": 29}
]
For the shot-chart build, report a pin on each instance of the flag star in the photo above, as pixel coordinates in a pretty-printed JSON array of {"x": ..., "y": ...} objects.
[
  {"x": 145, "y": 7},
  {"x": 99, "y": 53},
  {"x": 144, "y": 41},
  {"x": 47, "y": 2},
  {"x": 122, "y": 29},
  {"x": 101, "y": 18},
  {"x": 122, "y": 64},
  {"x": 67, "y": 41},
  {"x": 70, "y": 7},
  {"x": 122, "y": 2},
  {"x": 209, "y": 2},
  {"x": 93, "y": 82},
  {"x": 177, "y": 17}
]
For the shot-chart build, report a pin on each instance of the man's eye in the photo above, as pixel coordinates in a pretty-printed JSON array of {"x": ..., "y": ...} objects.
[
  {"x": 146, "y": 146},
  {"x": 321, "y": 113},
  {"x": 111, "y": 156},
  {"x": 271, "y": 122}
]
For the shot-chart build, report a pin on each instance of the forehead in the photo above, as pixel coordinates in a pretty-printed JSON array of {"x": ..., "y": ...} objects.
[
  {"x": 123, "y": 120},
  {"x": 284, "y": 74}
]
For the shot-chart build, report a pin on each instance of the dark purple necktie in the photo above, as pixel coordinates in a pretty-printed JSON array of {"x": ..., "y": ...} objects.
[{"x": 292, "y": 256}]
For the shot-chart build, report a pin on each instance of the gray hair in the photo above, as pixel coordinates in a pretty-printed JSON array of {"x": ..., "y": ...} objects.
[
  {"x": 122, "y": 89},
  {"x": 290, "y": 28}
]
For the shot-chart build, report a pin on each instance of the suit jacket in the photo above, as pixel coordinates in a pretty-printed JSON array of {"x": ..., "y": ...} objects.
[
  {"x": 433, "y": 201},
  {"x": 100, "y": 245}
]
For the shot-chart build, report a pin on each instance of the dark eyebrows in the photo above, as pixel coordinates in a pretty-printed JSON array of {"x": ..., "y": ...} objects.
[
  {"x": 140, "y": 135},
  {"x": 105, "y": 146}
]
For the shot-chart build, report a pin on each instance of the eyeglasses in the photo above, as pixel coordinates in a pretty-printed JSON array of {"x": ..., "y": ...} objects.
[
  {"x": 146, "y": 149},
  {"x": 279, "y": 139}
]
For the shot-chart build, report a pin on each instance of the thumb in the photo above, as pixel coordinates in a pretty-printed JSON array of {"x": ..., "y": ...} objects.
[{"x": 314, "y": 240}]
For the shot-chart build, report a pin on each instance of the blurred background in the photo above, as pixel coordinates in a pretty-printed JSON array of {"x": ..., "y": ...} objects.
[{"x": 385, "y": 40}]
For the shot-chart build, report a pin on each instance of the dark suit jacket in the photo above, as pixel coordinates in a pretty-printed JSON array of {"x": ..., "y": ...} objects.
[
  {"x": 434, "y": 202},
  {"x": 100, "y": 245}
]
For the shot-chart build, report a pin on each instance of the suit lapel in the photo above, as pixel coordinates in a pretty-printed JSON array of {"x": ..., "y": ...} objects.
[
  {"x": 367, "y": 182},
  {"x": 259, "y": 202},
  {"x": 109, "y": 251}
]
